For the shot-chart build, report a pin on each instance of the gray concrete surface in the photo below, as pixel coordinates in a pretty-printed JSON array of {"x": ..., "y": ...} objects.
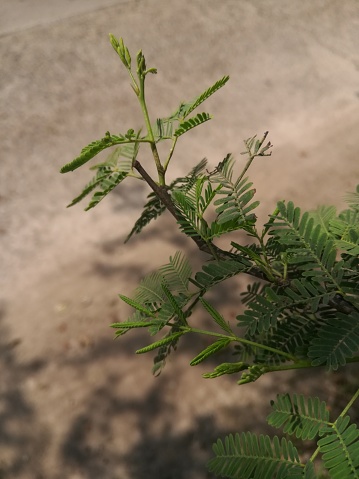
[{"x": 294, "y": 71}]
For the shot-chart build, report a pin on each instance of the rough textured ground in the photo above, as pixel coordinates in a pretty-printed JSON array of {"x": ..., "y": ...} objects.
[{"x": 73, "y": 402}]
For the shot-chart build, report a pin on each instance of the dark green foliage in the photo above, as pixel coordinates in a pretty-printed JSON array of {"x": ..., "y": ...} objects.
[
  {"x": 340, "y": 449},
  {"x": 301, "y": 311},
  {"x": 247, "y": 456},
  {"x": 304, "y": 417},
  {"x": 336, "y": 341},
  {"x": 307, "y": 246}
]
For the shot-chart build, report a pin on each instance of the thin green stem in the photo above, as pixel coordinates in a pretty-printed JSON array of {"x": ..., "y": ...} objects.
[
  {"x": 165, "y": 166},
  {"x": 242, "y": 340},
  {"x": 256, "y": 152},
  {"x": 286, "y": 367},
  {"x": 248, "y": 164},
  {"x": 350, "y": 403},
  {"x": 342, "y": 414},
  {"x": 156, "y": 157}
]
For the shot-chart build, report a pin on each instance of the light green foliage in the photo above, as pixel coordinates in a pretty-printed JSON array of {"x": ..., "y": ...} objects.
[{"x": 302, "y": 311}]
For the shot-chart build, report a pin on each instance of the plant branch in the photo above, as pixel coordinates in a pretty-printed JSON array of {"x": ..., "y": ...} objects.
[
  {"x": 350, "y": 403},
  {"x": 141, "y": 97},
  {"x": 241, "y": 340}
]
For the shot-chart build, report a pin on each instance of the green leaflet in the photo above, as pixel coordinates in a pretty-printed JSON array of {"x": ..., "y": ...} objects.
[
  {"x": 340, "y": 449},
  {"x": 163, "y": 128},
  {"x": 353, "y": 199},
  {"x": 210, "y": 350},
  {"x": 109, "y": 174},
  {"x": 226, "y": 368},
  {"x": 177, "y": 273},
  {"x": 93, "y": 149},
  {"x": 150, "y": 291},
  {"x": 291, "y": 335},
  {"x": 300, "y": 416},
  {"x": 190, "y": 222},
  {"x": 137, "y": 306},
  {"x": 247, "y": 456},
  {"x": 337, "y": 340},
  {"x": 162, "y": 342},
  {"x": 345, "y": 230},
  {"x": 235, "y": 203},
  {"x": 101, "y": 175},
  {"x": 216, "y": 316},
  {"x": 323, "y": 216},
  {"x": 265, "y": 308},
  {"x": 218, "y": 271},
  {"x": 107, "y": 185},
  {"x": 130, "y": 325},
  {"x": 309, "y": 249},
  {"x": 191, "y": 123},
  {"x": 185, "y": 109},
  {"x": 152, "y": 210},
  {"x": 260, "y": 315},
  {"x": 122, "y": 51},
  {"x": 177, "y": 310}
]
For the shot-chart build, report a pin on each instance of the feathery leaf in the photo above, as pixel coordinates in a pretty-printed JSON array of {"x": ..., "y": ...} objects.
[
  {"x": 336, "y": 341},
  {"x": 247, "y": 456},
  {"x": 91, "y": 150},
  {"x": 192, "y": 123},
  {"x": 304, "y": 417},
  {"x": 210, "y": 350},
  {"x": 340, "y": 449}
]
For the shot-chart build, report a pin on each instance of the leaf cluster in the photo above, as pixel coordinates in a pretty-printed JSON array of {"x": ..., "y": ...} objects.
[
  {"x": 248, "y": 456},
  {"x": 301, "y": 311}
]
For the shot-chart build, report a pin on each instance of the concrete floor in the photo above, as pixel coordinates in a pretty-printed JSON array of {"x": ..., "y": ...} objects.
[{"x": 294, "y": 71}]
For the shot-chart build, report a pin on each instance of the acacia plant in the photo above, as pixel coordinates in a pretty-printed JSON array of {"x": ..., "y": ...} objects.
[{"x": 302, "y": 310}]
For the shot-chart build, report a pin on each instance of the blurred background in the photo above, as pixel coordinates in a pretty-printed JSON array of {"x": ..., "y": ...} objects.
[{"x": 73, "y": 402}]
